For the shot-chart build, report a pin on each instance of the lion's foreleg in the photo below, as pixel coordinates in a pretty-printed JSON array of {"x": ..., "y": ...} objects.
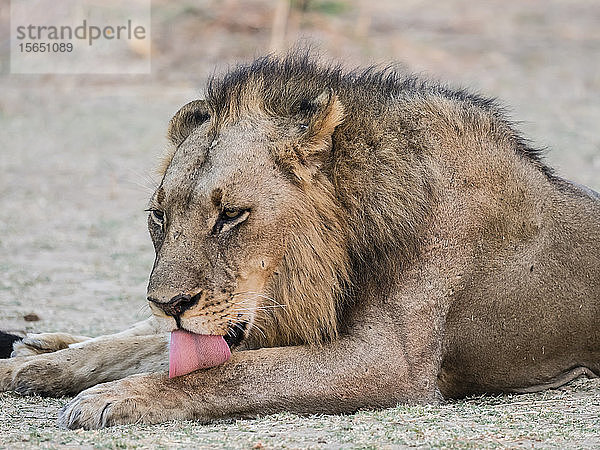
[
  {"x": 366, "y": 370},
  {"x": 38, "y": 343},
  {"x": 86, "y": 364},
  {"x": 296, "y": 379}
]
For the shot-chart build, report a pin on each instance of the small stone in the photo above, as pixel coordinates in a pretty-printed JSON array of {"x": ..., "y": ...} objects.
[{"x": 31, "y": 317}]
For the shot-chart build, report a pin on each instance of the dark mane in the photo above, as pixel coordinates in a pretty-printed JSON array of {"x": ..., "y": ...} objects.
[{"x": 285, "y": 87}]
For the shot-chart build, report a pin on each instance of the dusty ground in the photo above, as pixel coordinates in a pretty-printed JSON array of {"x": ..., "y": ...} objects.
[{"x": 76, "y": 158}]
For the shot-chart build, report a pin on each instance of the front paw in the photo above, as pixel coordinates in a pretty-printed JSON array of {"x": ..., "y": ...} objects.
[
  {"x": 7, "y": 368},
  {"x": 35, "y": 375},
  {"x": 135, "y": 399},
  {"x": 36, "y": 344}
]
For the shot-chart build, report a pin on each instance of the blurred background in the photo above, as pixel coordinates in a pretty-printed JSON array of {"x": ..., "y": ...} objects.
[{"x": 77, "y": 151}]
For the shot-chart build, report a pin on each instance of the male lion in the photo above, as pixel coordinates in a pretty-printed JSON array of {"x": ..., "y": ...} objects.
[{"x": 358, "y": 239}]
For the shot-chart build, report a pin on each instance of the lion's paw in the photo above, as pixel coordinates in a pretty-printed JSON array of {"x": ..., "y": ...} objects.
[
  {"x": 101, "y": 406},
  {"x": 7, "y": 368},
  {"x": 136, "y": 399},
  {"x": 40, "y": 376},
  {"x": 37, "y": 375},
  {"x": 36, "y": 344}
]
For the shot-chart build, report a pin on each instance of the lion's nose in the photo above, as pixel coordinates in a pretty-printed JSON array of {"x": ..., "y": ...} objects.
[{"x": 177, "y": 305}]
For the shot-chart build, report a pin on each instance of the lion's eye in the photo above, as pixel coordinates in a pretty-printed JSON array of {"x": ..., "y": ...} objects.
[
  {"x": 232, "y": 213},
  {"x": 158, "y": 217},
  {"x": 230, "y": 218}
]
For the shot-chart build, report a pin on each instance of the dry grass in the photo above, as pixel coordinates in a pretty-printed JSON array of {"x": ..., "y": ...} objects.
[{"x": 566, "y": 417}]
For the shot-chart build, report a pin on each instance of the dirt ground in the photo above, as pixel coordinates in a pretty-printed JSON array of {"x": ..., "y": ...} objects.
[{"x": 76, "y": 160}]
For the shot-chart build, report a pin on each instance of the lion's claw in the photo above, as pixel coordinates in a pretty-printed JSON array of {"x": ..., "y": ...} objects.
[
  {"x": 89, "y": 410},
  {"x": 98, "y": 407}
]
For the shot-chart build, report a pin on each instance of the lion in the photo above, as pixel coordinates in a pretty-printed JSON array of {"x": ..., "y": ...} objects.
[{"x": 330, "y": 240}]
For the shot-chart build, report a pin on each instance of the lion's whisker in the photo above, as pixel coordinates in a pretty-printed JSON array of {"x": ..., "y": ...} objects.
[
  {"x": 266, "y": 297},
  {"x": 148, "y": 183},
  {"x": 248, "y": 300},
  {"x": 253, "y": 326},
  {"x": 257, "y": 294},
  {"x": 255, "y": 308},
  {"x": 257, "y": 327}
]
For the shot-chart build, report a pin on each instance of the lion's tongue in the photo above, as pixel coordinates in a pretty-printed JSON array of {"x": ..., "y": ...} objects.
[{"x": 189, "y": 352}]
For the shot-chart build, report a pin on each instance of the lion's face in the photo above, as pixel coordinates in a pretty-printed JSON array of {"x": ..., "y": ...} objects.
[
  {"x": 219, "y": 222},
  {"x": 246, "y": 228}
]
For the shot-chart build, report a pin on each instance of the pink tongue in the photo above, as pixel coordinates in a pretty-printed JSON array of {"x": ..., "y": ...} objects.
[{"x": 189, "y": 352}]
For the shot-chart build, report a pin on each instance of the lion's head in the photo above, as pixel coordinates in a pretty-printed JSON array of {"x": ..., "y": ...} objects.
[
  {"x": 280, "y": 201},
  {"x": 249, "y": 237}
]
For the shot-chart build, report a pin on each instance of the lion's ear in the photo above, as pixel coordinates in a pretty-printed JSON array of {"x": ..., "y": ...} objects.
[
  {"x": 327, "y": 112},
  {"x": 186, "y": 119}
]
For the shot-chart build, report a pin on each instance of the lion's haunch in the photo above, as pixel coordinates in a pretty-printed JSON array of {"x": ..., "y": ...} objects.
[{"x": 189, "y": 352}]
